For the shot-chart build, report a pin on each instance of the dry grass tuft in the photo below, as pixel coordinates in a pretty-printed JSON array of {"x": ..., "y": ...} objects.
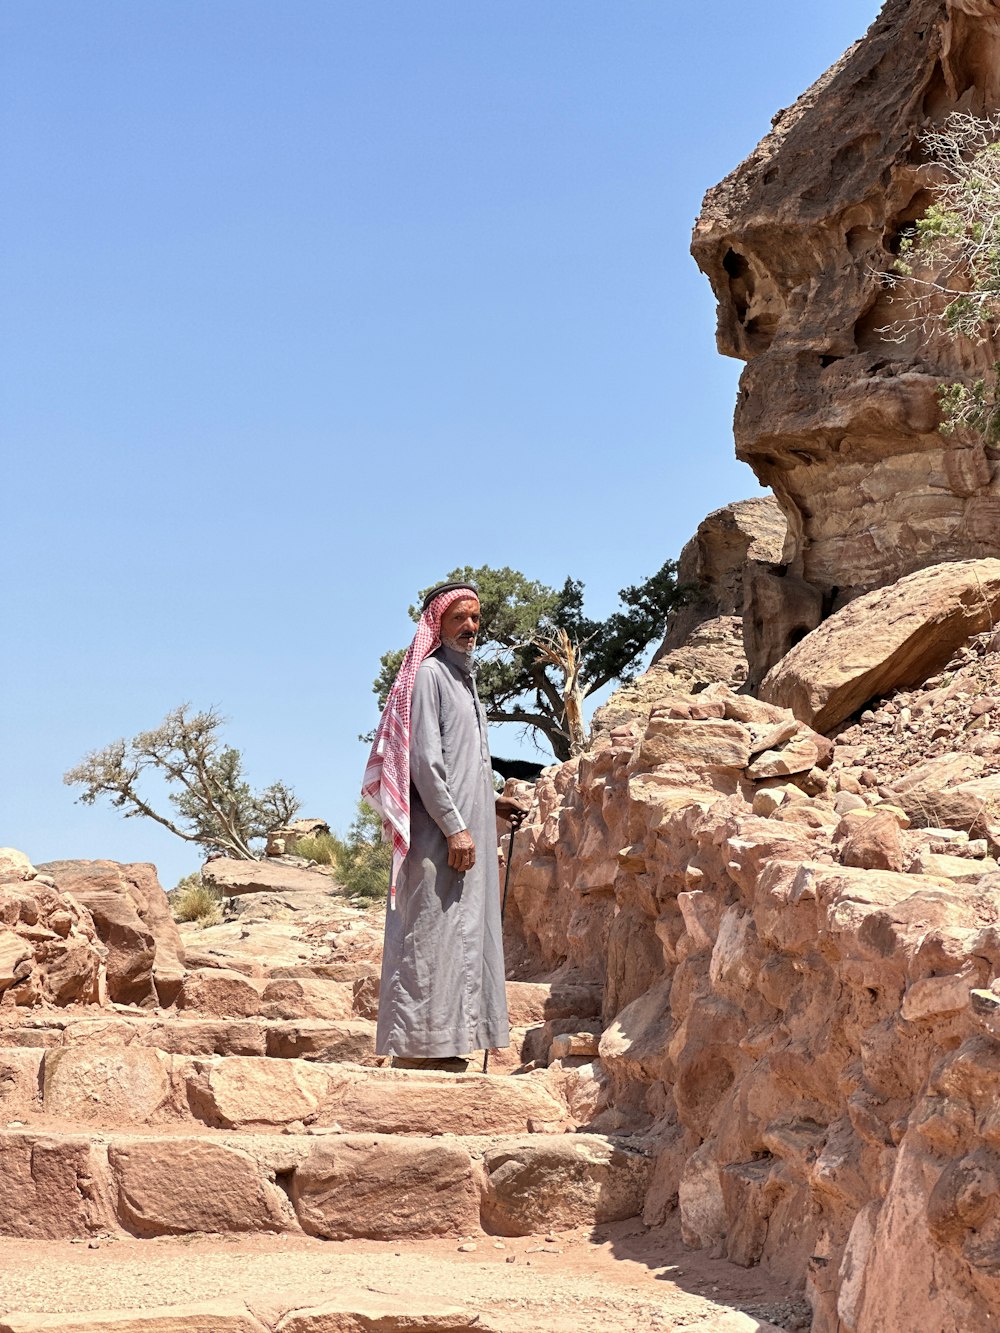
[{"x": 193, "y": 900}]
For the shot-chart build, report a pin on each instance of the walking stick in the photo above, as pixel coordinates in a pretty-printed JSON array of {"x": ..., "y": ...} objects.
[{"x": 515, "y": 824}]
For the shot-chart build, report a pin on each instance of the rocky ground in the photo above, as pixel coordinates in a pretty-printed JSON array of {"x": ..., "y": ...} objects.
[{"x": 798, "y": 937}]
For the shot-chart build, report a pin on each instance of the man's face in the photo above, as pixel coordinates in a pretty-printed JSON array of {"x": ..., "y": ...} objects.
[{"x": 460, "y": 625}]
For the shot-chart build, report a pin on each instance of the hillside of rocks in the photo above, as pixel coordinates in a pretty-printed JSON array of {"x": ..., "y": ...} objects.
[
  {"x": 840, "y": 422},
  {"x": 793, "y": 906}
]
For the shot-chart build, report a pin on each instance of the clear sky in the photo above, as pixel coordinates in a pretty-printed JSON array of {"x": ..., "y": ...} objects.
[{"x": 304, "y": 303}]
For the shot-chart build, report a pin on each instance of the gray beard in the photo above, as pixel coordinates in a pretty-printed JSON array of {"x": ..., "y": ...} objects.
[{"x": 457, "y": 646}]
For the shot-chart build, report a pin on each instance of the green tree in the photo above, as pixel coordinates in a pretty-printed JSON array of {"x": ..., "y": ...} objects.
[
  {"x": 213, "y": 803},
  {"x": 543, "y": 655},
  {"x": 947, "y": 275},
  {"x": 365, "y": 860}
]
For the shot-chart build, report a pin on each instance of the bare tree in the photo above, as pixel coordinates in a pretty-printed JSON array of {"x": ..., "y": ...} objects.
[
  {"x": 213, "y": 803},
  {"x": 565, "y": 654}
]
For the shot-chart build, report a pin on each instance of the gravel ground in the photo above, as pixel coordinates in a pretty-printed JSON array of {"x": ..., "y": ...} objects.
[{"x": 628, "y": 1281}]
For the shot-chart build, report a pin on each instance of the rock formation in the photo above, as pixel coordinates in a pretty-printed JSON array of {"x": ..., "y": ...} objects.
[
  {"x": 704, "y": 642},
  {"x": 841, "y": 423},
  {"x": 713, "y": 564},
  {"x": 49, "y": 947},
  {"x": 894, "y": 637},
  {"x": 145, "y": 961},
  {"x": 282, "y": 840},
  {"x": 801, "y": 986}
]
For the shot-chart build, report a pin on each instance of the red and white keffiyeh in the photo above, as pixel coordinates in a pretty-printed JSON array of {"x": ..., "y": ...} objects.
[{"x": 386, "y": 785}]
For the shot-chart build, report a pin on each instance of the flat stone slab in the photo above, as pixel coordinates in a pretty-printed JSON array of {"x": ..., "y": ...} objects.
[
  {"x": 233, "y": 878},
  {"x": 209, "y": 1317},
  {"x": 345, "y": 1313}
]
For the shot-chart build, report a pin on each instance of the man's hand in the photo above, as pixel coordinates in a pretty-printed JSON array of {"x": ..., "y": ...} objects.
[
  {"x": 461, "y": 851},
  {"x": 513, "y": 809}
]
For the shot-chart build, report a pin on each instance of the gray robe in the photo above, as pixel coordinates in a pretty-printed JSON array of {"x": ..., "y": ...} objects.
[{"x": 443, "y": 990}]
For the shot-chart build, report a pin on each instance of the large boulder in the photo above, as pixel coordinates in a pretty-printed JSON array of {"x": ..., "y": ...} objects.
[
  {"x": 133, "y": 919},
  {"x": 282, "y": 840},
  {"x": 713, "y": 564},
  {"x": 545, "y": 1182},
  {"x": 889, "y": 639}
]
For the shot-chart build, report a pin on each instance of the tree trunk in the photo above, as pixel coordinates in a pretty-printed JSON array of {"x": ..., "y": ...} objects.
[{"x": 572, "y": 696}]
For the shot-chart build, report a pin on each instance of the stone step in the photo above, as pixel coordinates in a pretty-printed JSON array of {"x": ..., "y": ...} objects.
[
  {"x": 222, "y": 993},
  {"x": 306, "y": 1017},
  {"x": 58, "y": 1185},
  {"x": 349, "y": 1040},
  {"x": 217, "y": 992},
  {"x": 108, "y": 1087}
]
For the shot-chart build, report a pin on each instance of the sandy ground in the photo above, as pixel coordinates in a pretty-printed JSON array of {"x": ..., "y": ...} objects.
[{"x": 623, "y": 1279}]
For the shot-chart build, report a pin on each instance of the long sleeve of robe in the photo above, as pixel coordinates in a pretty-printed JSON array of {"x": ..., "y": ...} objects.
[{"x": 443, "y": 991}]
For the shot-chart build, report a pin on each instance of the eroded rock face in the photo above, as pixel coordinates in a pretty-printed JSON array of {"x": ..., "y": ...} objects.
[
  {"x": 841, "y": 423},
  {"x": 49, "y": 948},
  {"x": 712, "y": 652},
  {"x": 130, "y": 909},
  {"x": 713, "y": 564}
]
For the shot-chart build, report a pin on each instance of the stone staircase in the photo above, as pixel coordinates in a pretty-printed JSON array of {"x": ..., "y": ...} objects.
[
  {"x": 256, "y": 1108},
  {"x": 196, "y": 1136}
]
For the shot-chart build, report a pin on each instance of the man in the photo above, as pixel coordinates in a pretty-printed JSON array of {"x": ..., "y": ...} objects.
[{"x": 443, "y": 990}]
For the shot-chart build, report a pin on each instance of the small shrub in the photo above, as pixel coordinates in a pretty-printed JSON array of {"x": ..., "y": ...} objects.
[
  {"x": 194, "y": 900},
  {"x": 322, "y": 848},
  {"x": 364, "y": 871},
  {"x": 365, "y": 860}
]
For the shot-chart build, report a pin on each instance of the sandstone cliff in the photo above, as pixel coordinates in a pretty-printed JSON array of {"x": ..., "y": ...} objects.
[{"x": 839, "y": 422}]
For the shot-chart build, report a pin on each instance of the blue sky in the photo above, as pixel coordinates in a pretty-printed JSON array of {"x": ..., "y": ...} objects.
[{"x": 306, "y": 303}]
